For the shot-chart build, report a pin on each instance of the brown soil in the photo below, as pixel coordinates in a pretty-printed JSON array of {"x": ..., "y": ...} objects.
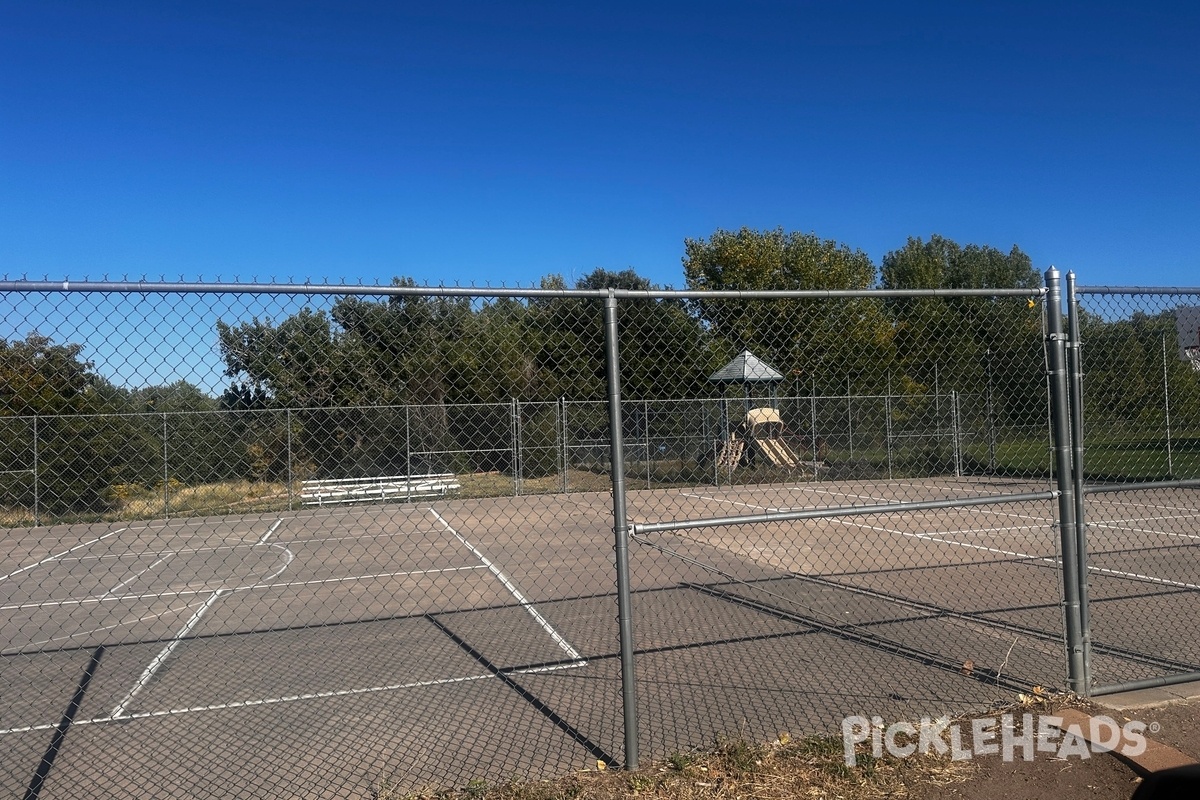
[{"x": 1101, "y": 777}]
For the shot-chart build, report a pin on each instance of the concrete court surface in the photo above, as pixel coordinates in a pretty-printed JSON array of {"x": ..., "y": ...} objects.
[{"x": 324, "y": 652}]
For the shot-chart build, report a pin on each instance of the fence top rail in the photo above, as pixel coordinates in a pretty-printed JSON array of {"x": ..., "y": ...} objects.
[
  {"x": 186, "y": 287},
  {"x": 643, "y": 528},
  {"x": 1137, "y": 290}
]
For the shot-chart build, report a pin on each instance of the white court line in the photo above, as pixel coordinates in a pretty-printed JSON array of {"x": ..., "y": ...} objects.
[
  {"x": 316, "y": 581},
  {"x": 87, "y": 601},
  {"x": 160, "y": 595},
  {"x": 164, "y": 654},
  {"x": 1029, "y": 557},
  {"x": 269, "y": 701},
  {"x": 988, "y": 531},
  {"x": 975, "y": 486},
  {"x": 177, "y": 551},
  {"x": 267, "y": 535},
  {"x": 851, "y": 494},
  {"x": 1102, "y": 570},
  {"x": 533, "y": 612},
  {"x": 136, "y": 575},
  {"x": 723, "y": 500},
  {"x": 1141, "y": 530},
  {"x": 1192, "y": 515},
  {"x": 288, "y": 559},
  {"x": 880, "y": 500},
  {"x": 992, "y": 511},
  {"x": 361, "y": 537},
  {"x": 1026, "y": 556},
  {"x": 303, "y": 542},
  {"x": 118, "y": 714},
  {"x": 57, "y": 556},
  {"x": 1109, "y": 502},
  {"x": 253, "y": 587},
  {"x": 129, "y": 621},
  {"x": 160, "y": 659},
  {"x": 250, "y": 546}
]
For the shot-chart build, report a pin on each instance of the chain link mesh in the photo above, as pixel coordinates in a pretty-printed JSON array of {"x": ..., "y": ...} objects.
[
  {"x": 762, "y": 625},
  {"x": 304, "y": 542},
  {"x": 1141, "y": 406}
]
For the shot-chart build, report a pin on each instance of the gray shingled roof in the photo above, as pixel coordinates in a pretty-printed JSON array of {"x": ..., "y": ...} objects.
[{"x": 746, "y": 368}]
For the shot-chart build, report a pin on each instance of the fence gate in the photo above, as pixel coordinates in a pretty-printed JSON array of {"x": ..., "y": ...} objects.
[
  {"x": 1137, "y": 390},
  {"x": 897, "y": 536}
]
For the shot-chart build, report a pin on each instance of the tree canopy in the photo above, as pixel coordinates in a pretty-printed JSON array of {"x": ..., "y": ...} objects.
[
  {"x": 449, "y": 367},
  {"x": 814, "y": 340}
]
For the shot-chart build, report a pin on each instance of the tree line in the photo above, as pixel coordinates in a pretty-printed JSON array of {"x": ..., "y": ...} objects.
[{"x": 457, "y": 360}]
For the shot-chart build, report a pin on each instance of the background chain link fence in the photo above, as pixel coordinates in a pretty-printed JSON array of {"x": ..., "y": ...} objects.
[{"x": 344, "y": 541}]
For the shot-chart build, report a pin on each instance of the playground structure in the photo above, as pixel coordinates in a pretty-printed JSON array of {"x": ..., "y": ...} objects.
[{"x": 760, "y": 436}]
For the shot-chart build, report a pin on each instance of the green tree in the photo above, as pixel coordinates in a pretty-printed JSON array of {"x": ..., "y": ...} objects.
[
  {"x": 300, "y": 363},
  {"x": 665, "y": 353},
  {"x": 821, "y": 341},
  {"x": 83, "y": 447},
  {"x": 1124, "y": 375},
  {"x": 973, "y": 344},
  {"x": 202, "y": 445}
]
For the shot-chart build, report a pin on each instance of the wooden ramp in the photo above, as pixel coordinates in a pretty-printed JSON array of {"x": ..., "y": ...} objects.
[
  {"x": 776, "y": 451},
  {"x": 731, "y": 453}
]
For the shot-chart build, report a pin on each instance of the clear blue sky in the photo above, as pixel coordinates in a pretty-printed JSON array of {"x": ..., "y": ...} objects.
[{"x": 498, "y": 142}]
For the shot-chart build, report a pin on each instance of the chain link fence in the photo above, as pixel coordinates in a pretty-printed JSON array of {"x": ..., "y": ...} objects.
[
  {"x": 353, "y": 541},
  {"x": 1139, "y": 465}
]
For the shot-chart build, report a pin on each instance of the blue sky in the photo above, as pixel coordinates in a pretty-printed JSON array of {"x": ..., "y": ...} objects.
[{"x": 465, "y": 142}]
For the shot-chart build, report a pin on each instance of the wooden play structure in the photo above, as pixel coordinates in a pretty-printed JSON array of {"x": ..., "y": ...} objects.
[{"x": 758, "y": 435}]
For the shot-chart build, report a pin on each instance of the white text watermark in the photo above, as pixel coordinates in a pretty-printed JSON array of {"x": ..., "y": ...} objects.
[{"x": 1009, "y": 736}]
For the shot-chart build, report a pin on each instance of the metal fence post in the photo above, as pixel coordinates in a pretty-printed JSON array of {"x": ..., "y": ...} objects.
[
  {"x": 956, "y": 433},
  {"x": 813, "y": 402},
  {"x": 515, "y": 427},
  {"x": 849, "y": 419},
  {"x": 37, "y": 518},
  {"x": 288, "y": 422},
  {"x": 887, "y": 422},
  {"x": 714, "y": 446},
  {"x": 620, "y": 530},
  {"x": 1167, "y": 408},
  {"x": 1075, "y": 364},
  {"x": 991, "y": 416},
  {"x": 166, "y": 479},
  {"x": 646, "y": 439},
  {"x": 937, "y": 413},
  {"x": 1060, "y": 426},
  {"x": 566, "y": 462},
  {"x": 407, "y": 454}
]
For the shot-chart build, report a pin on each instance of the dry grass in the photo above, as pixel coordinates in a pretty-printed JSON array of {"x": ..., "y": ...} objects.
[
  {"x": 498, "y": 484},
  {"x": 137, "y": 502},
  {"x": 811, "y": 768},
  {"x": 211, "y": 498},
  {"x": 15, "y": 517},
  {"x": 785, "y": 769}
]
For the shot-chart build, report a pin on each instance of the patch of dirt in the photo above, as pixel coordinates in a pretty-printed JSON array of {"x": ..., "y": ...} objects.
[
  {"x": 1178, "y": 724},
  {"x": 1102, "y": 776}
]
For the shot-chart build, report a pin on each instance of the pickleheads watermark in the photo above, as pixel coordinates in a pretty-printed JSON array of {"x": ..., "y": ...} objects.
[{"x": 1006, "y": 735}]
